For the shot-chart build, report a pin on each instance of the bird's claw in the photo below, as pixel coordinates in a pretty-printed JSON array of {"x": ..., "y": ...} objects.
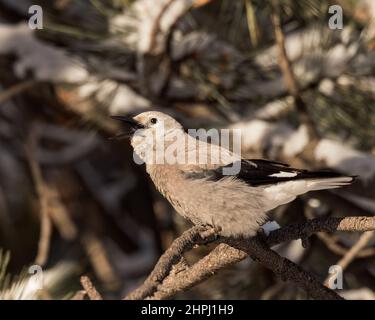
[{"x": 209, "y": 235}]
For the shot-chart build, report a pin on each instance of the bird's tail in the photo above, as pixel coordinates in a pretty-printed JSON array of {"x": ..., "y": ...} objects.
[
  {"x": 285, "y": 192},
  {"x": 330, "y": 183}
]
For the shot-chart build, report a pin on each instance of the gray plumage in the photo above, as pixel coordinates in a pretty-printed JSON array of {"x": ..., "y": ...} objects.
[{"x": 236, "y": 205}]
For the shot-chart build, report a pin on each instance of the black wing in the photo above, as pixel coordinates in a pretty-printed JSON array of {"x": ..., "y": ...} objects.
[{"x": 257, "y": 172}]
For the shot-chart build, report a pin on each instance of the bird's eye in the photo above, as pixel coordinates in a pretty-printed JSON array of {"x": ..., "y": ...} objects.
[{"x": 153, "y": 120}]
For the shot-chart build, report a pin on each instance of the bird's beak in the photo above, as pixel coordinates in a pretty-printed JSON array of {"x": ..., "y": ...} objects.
[{"x": 132, "y": 125}]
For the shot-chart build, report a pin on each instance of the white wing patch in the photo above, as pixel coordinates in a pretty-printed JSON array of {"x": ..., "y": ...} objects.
[{"x": 283, "y": 174}]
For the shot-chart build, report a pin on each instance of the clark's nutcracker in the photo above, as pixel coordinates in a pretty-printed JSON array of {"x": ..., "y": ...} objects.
[{"x": 235, "y": 205}]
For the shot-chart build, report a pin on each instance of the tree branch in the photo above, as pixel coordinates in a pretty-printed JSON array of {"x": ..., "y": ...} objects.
[
  {"x": 220, "y": 257},
  {"x": 185, "y": 242},
  {"x": 306, "y": 229},
  {"x": 286, "y": 269},
  {"x": 164, "y": 282},
  {"x": 288, "y": 73}
]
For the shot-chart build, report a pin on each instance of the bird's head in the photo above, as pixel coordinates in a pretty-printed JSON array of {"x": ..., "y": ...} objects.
[{"x": 148, "y": 128}]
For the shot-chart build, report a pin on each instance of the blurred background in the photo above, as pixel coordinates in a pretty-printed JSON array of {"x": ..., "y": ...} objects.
[{"x": 74, "y": 202}]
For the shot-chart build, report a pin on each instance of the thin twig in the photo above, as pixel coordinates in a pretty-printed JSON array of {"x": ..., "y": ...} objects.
[
  {"x": 99, "y": 260},
  {"x": 60, "y": 216},
  {"x": 41, "y": 189},
  {"x": 252, "y": 23},
  {"x": 16, "y": 89},
  {"x": 90, "y": 289},
  {"x": 288, "y": 73},
  {"x": 79, "y": 295},
  {"x": 352, "y": 254},
  {"x": 269, "y": 293},
  {"x": 156, "y": 26},
  {"x": 332, "y": 241},
  {"x": 200, "y": 3}
]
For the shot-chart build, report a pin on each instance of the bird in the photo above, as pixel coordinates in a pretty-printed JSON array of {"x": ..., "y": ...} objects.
[{"x": 234, "y": 205}]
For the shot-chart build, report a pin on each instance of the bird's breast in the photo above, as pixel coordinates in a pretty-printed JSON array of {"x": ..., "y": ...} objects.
[{"x": 173, "y": 185}]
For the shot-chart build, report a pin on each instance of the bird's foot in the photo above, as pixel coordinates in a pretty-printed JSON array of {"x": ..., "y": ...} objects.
[{"x": 209, "y": 235}]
